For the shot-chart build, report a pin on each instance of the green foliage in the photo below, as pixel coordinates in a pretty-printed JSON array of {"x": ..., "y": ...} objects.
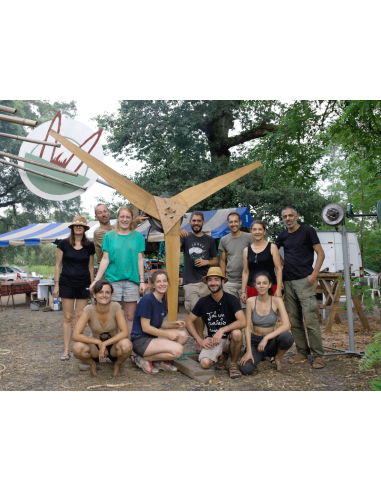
[
  {"x": 13, "y": 193},
  {"x": 371, "y": 359},
  {"x": 46, "y": 271},
  {"x": 19, "y": 206}
]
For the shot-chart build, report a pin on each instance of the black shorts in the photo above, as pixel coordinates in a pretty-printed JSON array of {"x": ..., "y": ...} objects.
[
  {"x": 109, "y": 356},
  {"x": 77, "y": 292},
  {"x": 140, "y": 345}
]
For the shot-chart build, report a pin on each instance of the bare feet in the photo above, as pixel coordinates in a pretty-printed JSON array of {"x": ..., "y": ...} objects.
[
  {"x": 116, "y": 373},
  {"x": 93, "y": 369},
  {"x": 278, "y": 364}
]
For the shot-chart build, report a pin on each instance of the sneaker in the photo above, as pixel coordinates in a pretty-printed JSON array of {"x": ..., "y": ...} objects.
[
  {"x": 164, "y": 366},
  {"x": 146, "y": 365}
]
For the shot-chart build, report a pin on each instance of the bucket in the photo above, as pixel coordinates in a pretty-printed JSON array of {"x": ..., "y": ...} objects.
[
  {"x": 56, "y": 304},
  {"x": 34, "y": 305}
]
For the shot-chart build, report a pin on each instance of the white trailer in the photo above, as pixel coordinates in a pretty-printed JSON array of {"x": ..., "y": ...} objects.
[{"x": 331, "y": 242}]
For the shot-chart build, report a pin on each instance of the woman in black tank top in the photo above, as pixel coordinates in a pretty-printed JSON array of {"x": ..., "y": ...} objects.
[
  {"x": 267, "y": 339},
  {"x": 261, "y": 256}
]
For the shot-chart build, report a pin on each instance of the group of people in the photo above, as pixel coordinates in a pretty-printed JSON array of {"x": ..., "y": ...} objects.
[{"x": 249, "y": 276}]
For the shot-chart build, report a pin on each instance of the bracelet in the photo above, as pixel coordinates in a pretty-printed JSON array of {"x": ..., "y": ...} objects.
[{"x": 57, "y": 282}]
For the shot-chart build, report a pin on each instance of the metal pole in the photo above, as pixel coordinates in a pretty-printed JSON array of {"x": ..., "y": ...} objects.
[
  {"x": 32, "y": 140},
  {"x": 41, "y": 164},
  {"x": 347, "y": 281},
  {"x": 102, "y": 181},
  {"x": 2, "y": 161}
]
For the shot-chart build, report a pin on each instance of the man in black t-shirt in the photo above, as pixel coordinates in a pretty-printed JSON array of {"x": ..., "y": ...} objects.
[
  {"x": 224, "y": 320},
  {"x": 300, "y": 242},
  {"x": 200, "y": 253}
]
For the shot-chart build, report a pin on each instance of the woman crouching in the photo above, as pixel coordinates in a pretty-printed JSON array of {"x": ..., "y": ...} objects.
[
  {"x": 265, "y": 341},
  {"x": 104, "y": 318},
  {"x": 155, "y": 347}
]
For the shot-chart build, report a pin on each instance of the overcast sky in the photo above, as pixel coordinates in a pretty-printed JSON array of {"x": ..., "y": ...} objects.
[{"x": 87, "y": 109}]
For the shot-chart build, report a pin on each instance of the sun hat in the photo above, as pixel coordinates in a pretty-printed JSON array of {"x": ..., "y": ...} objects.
[
  {"x": 79, "y": 220},
  {"x": 214, "y": 272}
]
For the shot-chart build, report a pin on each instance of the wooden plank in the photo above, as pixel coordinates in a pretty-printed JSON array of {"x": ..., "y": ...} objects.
[
  {"x": 332, "y": 314},
  {"x": 172, "y": 255},
  {"x": 194, "y": 195},
  {"x": 193, "y": 370},
  {"x": 136, "y": 195},
  {"x": 363, "y": 318}
]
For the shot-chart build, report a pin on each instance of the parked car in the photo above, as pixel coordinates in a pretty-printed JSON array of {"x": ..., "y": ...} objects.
[
  {"x": 368, "y": 271},
  {"x": 23, "y": 273},
  {"x": 6, "y": 273}
]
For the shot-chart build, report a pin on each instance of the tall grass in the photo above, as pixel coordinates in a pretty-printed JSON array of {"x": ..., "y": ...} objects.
[{"x": 46, "y": 271}]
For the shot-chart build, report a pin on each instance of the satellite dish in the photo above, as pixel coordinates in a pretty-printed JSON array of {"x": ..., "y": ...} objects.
[{"x": 333, "y": 214}]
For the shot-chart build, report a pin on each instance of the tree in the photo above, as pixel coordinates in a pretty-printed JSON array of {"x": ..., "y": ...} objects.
[
  {"x": 19, "y": 205},
  {"x": 183, "y": 143}
]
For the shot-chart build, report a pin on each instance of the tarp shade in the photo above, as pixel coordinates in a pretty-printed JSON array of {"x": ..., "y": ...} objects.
[{"x": 34, "y": 234}]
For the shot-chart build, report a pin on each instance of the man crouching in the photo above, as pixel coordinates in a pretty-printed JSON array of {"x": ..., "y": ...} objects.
[{"x": 224, "y": 320}]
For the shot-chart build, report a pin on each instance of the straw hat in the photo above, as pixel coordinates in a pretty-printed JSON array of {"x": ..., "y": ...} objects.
[
  {"x": 79, "y": 220},
  {"x": 214, "y": 272}
]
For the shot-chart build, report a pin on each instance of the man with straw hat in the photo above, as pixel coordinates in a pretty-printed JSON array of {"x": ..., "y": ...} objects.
[{"x": 224, "y": 320}]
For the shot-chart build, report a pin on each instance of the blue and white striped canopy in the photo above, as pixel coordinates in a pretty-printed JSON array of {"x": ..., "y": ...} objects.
[{"x": 34, "y": 234}]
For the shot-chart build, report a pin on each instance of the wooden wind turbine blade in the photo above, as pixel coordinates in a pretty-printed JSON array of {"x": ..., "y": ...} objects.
[
  {"x": 172, "y": 255},
  {"x": 193, "y": 195},
  {"x": 132, "y": 192}
]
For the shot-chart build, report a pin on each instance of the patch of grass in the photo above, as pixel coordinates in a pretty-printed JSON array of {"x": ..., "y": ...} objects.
[{"x": 46, "y": 271}]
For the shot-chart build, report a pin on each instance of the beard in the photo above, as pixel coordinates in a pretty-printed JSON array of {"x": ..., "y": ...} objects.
[
  {"x": 217, "y": 289},
  {"x": 196, "y": 228},
  {"x": 292, "y": 225}
]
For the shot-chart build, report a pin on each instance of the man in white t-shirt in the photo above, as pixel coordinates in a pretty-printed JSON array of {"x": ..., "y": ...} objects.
[{"x": 231, "y": 254}]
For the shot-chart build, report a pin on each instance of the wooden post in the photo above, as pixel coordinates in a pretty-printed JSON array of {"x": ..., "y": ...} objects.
[
  {"x": 172, "y": 253},
  {"x": 363, "y": 318},
  {"x": 333, "y": 312}
]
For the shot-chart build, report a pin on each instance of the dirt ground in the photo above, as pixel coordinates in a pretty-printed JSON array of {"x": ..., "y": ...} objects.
[{"x": 34, "y": 339}]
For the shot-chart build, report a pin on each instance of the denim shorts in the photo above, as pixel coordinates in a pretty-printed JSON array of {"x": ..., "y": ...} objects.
[{"x": 126, "y": 291}]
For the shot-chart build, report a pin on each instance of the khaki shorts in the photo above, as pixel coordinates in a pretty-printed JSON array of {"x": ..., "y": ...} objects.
[
  {"x": 235, "y": 289},
  {"x": 193, "y": 292},
  {"x": 216, "y": 351}
]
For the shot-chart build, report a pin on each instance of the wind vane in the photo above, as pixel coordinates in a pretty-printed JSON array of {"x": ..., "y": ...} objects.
[{"x": 168, "y": 210}]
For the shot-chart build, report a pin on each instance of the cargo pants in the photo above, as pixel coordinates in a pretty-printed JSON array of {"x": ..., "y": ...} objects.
[{"x": 300, "y": 301}]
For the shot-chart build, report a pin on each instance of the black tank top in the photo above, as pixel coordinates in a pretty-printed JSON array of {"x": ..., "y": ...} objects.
[{"x": 260, "y": 262}]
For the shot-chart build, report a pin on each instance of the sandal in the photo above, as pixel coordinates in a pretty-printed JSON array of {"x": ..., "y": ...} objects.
[
  {"x": 221, "y": 362},
  {"x": 65, "y": 357},
  {"x": 234, "y": 372},
  {"x": 318, "y": 363}
]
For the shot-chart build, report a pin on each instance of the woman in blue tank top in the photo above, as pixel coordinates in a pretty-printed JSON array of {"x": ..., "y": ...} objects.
[
  {"x": 266, "y": 340},
  {"x": 261, "y": 256}
]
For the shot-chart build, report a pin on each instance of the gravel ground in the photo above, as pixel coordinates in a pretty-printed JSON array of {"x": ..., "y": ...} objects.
[{"x": 35, "y": 341}]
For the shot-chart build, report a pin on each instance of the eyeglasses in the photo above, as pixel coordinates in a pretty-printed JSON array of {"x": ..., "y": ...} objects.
[{"x": 256, "y": 258}]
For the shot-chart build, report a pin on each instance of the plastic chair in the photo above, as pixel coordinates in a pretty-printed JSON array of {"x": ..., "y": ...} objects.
[{"x": 376, "y": 283}]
